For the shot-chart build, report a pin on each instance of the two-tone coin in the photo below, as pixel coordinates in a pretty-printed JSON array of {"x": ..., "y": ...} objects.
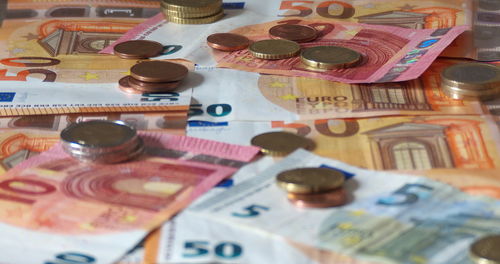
[
  {"x": 228, "y": 41},
  {"x": 330, "y": 57},
  {"x": 101, "y": 141},
  {"x": 281, "y": 143},
  {"x": 297, "y": 33},
  {"x": 486, "y": 250},
  {"x": 138, "y": 49},
  {"x": 471, "y": 81}
]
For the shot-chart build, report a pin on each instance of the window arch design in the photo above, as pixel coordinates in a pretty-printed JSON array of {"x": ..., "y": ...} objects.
[{"x": 411, "y": 156}]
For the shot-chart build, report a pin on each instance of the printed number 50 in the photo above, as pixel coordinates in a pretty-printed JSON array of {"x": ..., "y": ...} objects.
[{"x": 226, "y": 250}]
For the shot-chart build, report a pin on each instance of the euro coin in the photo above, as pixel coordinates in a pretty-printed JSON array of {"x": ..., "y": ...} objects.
[
  {"x": 471, "y": 81},
  {"x": 281, "y": 143},
  {"x": 153, "y": 86},
  {"x": 191, "y": 5},
  {"x": 198, "y": 20},
  {"x": 310, "y": 180},
  {"x": 228, "y": 41},
  {"x": 125, "y": 87},
  {"x": 337, "y": 197},
  {"x": 138, "y": 49},
  {"x": 486, "y": 250},
  {"x": 297, "y": 33},
  {"x": 195, "y": 14},
  {"x": 330, "y": 57},
  {"x": 274, "y": 49},
  {"x": 158, "y": 71}
]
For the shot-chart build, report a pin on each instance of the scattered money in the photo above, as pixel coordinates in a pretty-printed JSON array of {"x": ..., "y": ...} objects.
[
  {"x": 471, "y": 81},
  {"x": 297, "y": 33},
  {"x": 192, "y": 11},
  {"x": 330, "y": 57},
  {"x": 228, "y": 41},
  {"x": 138, "y": 49},
  {"x": 281, "y": 143},
  {"x": 486, "y": 250},
  {"x": 102, "y": 141}
]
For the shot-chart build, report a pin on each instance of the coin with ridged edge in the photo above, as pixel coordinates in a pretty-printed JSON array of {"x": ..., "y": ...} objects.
[
  {"x": 297, "y": 33},
  {"x": 471, "y": 81},
  {"x": 196, "y": 14},
  {"x": 330, "y": 57},
  {"x": 274, "y": 49},
  {"x": 281, "y": 143},
  {"x": 199, "y": 20},
  {"x": 310, "y": 180},
  {"x": 191, "y": 5},
  {"x": 486, "y": 250}
]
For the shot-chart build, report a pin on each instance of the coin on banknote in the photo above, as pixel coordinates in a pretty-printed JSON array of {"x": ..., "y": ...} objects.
[
  {"x": 471, "y": 81},
  {"x": 330, "y": 57},
  {"x": 101, "y": 141},
  {"x": 489, "y": 4},
  {"x": 153, "y": 86},
  {"x": 486, "y": 250},
  {"x": 125, "y": 87},
  {"x": 297, "y": 33},
  {"x": 337, "y": 197},
  {"x": 158, "y": 71},
  {"x": 198, "y": 20},
  {"x": 228, "y": 41},
  {"x": 138, "y": 49},
  {"x": 169, "y": 12},
  {"x": 192, "y": 6},
  {"x": 310, "y": 180},
  {"x": 281, "y": 143},
  {"x": 274, "y": 49}
]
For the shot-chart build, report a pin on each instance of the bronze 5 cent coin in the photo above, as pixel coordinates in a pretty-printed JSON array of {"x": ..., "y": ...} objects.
[
  {"x": 281, "y": 143},
  {"x": 337, "y": 197},
  {"x": 138, "y": 49},
  {"x": 297, "y": 33},
  {"x": 153, "y": 86},
  {"x": 158, "y": 71},
  {"x": 124, "y": 85},
  {"x": 310, "y": 180},
  {"x": 228, "y": 41}
]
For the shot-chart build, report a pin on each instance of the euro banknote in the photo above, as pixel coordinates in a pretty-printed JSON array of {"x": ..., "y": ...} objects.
[
  {"x": 404, "y": 220},
  {"x": 244, "y": 96},
  {"x": 99, "y": 212}
]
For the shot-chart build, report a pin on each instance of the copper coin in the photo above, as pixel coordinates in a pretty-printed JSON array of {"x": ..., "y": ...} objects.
[
  {"x": 153, "y": 86},
  {"x": 124, "y": 85},
  {"x": 138, "y": 49},
  {"x": 158, "y": 71},
  {"x": 228, "y": 41},
  {"x": 297, "y": 33},
  {"x": 337, "y": 197}
]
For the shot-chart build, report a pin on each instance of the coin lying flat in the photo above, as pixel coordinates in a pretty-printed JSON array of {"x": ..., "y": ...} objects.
[
  {"x": 158, "y": 71},
  {"x": 138, "y": 49},
  {"x": 274, "y": 49},
  {"x": 297, "y": 33},
  {"x": 125, "y": 87},
  {"x": 337, "y": 197},
  {"x": 153, "y": 86},
  {"x": 486, "y": 250},
  {"x": 310, "y": 180},
  {"x": 471, "y": 80},
  {"x": 330, "y": 57},
  {"x": 281, "y": 143},
  {"x": 228, "y": 41}
]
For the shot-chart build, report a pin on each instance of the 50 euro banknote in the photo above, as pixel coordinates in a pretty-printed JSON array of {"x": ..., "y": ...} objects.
[{"x": 99, "y": 212}]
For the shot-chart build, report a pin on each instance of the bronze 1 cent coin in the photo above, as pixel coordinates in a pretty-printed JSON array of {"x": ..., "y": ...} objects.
[
  {"x": 138, "y": 49},
  {"x": 158, "y": 71},
  {"x": 124, "y": 85},
  {"x": 337, "y": 197},
  {"x": 297, "y": 33},
  {"x": 228, "y": 41},
  {"x": 153, "y": 86}
]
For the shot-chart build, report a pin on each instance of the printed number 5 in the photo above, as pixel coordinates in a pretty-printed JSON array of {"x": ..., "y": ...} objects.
[
  {"x": 251, "y": 211},
  {"x": 408, "y": 194}
]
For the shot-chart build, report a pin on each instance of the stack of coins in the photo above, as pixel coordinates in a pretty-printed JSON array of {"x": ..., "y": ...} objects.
[
  {"x": 280, "y": 144},
  {"x": 486, "y": 250},
  {"x": 471, "y": 81},
  {"x": 313, "y": 187},
  {"x": 138, "y": 49},
  {"x": 153, "y": 76},
  {"x": 101, "y": 141},
  {"x": 192, "y": 11}
]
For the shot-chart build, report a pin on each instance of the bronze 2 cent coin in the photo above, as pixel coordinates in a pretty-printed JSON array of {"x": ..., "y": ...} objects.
[
  {"x": 158, "y": 71},
  {"x": 228, "y": 41},
  {"x": 138, "y": 49},
  {"x": 153, "y": 86},
  {"x": 124, "y": 85}
]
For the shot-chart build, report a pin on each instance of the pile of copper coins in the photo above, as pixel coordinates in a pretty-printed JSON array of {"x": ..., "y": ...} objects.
[
  {"x": 471, "y": 81},
  {"x": 284, "y": 43},
  {"x": 148, "y": 76},
  {"x": 486, "y": 250},
  {"x": 101, "y": 141},
  {"x": 192, "y": 11},
  {"x": 313, "y": 187},
  {"x": 280, "y": 144}
]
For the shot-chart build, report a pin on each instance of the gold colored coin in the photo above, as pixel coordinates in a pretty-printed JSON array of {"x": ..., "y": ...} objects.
[
  {"x": 330, "y": 57},
  {"x": 281, "y": 143},
  {"x": 192, "y": 5},
  {"x": 173, "y": 13},
  {"x": 310, "y": 180},
  {"x": 199, "y": 20},
  {"x": 274, "y": 49},
  {"x": 486, "y": 250},
  {"x": 471, "y": 81}
]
